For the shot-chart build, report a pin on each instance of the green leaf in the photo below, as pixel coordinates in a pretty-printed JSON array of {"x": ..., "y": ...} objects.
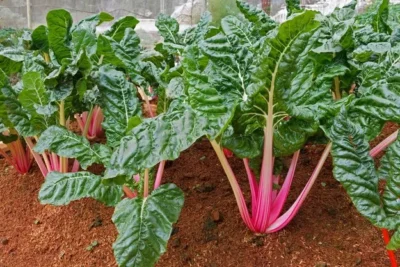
[
  {"x": 68, "y": 144},
  {"x": 355, "y": 170},
  {"x": 390, "y": 163},
  {"x": 40, "y": 39},
  {"x": 117, "y": 30},
  {"x": 262, "y": 22},
  {"x": 168, "y": 28},
  {"x": 11, "y": 60},
  {"x": 84, "y": 33},
  {"x": 394, "y": 241},
  {"x": 62, "y": 188},
  {"x": 144, "y": 226},
  {"x": 118, "y": 101},
  {"x": 25, "y": 123},
  {"x": 292, "y": 6},
  {"x": 33, "y": 94},
  {"x": 59, "y": 23},
  {"x": 157, "y": 139}
]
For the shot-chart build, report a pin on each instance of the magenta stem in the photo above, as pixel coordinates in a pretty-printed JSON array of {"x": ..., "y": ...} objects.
[
  {"x": 160, "y": 173},
  {"x": 244, "y": 212},
  {"x": 283, "y": 220},
  {"x": 280, "y": 200},
  {"x": 384, "y": 144},
  {"x": 37, "y": 157},
  {"x": 75, "y": 166},
  {"x": 253, "y": 185}
]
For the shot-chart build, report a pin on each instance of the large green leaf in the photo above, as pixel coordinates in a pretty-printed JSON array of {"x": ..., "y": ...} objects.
[
  {"x": 62, "y": 188},
  {"x": 68, "y": 144},
  {"x": 33, "y": 94},
  {"x": 168, "y": 28},
  {"x": 40, "y": 39},
  {"x": 144, "y": 226},
  {"x": 59, "y": 23},
  {"x": 84, "y": 33},
  {"x": 391, "y": 164},
  {"x": 117, "y": 30},
  {"x": 119, "y": 103},
  {"x": 262, "y": 22},
  {"x": 11, "y": 60},
  {"x": 245, "y": 69},
  {"x": 157, "y": 139},
  {"x": 355, "y": 169},
  {"x": 25, "y": 123}
]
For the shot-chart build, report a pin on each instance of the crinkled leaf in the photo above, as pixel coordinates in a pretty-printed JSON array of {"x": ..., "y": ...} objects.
[
  {"x": 117, "y": 30},
  {"x": 390, "y": 170},
  {"x": 168, "y": 28},
  {"x": 62, "y": 188},
  {"x": 354, "y": 168},
  {"x": 262, "y": 22},
  {"x": 144, "y": 226},
  {"x": 157, "y": 139},
  {"x": 118, "y": 101},
  {"x": 68, "y": 144},
  {"x": 11, "y": 60},
  {"x": 84, "y": 33}
]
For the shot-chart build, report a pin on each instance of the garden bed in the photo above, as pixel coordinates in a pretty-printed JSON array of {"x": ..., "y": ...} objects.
[{"x": 328, "y": 231}]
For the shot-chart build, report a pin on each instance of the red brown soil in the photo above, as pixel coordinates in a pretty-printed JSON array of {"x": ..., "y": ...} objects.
[{"x": 327, "y": 231}]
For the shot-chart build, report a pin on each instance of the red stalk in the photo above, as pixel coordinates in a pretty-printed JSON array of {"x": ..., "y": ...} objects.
[{"x": 386, "y": 239}]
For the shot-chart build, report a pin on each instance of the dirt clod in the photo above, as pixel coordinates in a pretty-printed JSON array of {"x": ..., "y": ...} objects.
[
  {"x": 205, "y": 187},
  {"x": 321, "y": 264},
  {"x": 216, "y": 216},
  {"x": 176, "y": 242},
  {"x": 4, "y": 241}
]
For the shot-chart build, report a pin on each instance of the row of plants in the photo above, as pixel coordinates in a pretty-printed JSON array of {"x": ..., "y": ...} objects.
[{"x": 252, "y": 87}]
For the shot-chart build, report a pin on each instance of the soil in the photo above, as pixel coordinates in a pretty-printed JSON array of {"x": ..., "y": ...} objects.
[{"x": 327, "y": 231}]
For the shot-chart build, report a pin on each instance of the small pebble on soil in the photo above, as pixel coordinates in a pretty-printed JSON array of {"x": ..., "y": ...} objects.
[{"x": 4, "y": 241}]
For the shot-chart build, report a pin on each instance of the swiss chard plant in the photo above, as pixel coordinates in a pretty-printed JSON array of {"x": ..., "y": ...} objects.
[
  {"x": 144, "y": 218},
  {"x": 374, "y": 57},
  {"x": 256, "y": 88}
]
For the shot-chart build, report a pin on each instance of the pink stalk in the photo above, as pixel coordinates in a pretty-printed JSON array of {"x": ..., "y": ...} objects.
[
  {"x": 244, "y": 212},
  {"x": 160, "y": 173},
  {"x": 266, "y": 179},
  {"x": 282, "y": 221},
  {"x": 128, "y": 192},
  {"x": 37, "y": 157},
  {"x": 280, "y": 200},
  {"x": 75, "y": 166},
  {"x": 384, "y": 144},
  {"x": 81, "y": 124},
  {"x": 20, "y": 158},
  {"x": 253, "y": 185}
]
